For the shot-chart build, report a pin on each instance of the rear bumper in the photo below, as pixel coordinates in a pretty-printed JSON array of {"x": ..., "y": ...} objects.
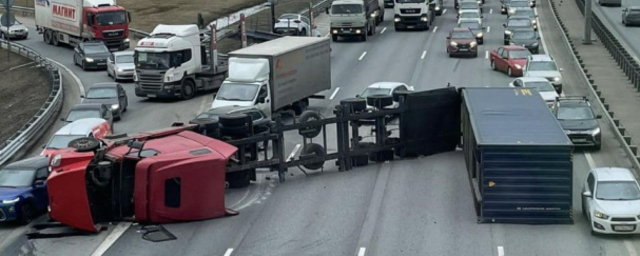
[
  {"x": 632, "y": 21},
  {"x": 351, "y": 31},
  {"x": 584, "y": 140}
]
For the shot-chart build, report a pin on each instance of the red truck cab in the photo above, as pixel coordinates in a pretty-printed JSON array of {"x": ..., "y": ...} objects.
[
  {"x": 169, "y": 175},
  {"x": 108, "y": 23}
]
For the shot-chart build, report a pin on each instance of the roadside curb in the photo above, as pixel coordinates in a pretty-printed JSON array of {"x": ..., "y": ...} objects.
[{"x": 630, "y": 148}]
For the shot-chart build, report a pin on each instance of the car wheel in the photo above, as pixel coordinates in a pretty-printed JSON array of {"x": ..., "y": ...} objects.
[
  {"x": 2, "y": 36},
  {"x": 509, "y": 72},
  {"x": 475, "y": 55},
  {"x": 26, "y": 213},
  {"x": 493, "y": 65},
  {"x": 84, "y": 67},
  {"x": 188, "y": 89}
]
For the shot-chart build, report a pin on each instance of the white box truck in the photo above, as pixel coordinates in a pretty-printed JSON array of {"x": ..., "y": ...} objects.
[
  {"x": 277, "y": 75},
  {"x": 74, "y": 21}
]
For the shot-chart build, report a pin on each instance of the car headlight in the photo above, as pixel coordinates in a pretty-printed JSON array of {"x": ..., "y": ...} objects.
[
  {"x": 335, "y": 31},
  {"x": 557, "y": 78},
  {"x": 531, "y": 3},
  {"x": 479, "y": 2},
  {"x": 534, "y": 44},
  {"x": 115, "y": 106},
  {"x": 437, "y": 8},
  {"x": 55, "y": 162},
  {"x": 595, "y": 131},
  {"x": 424, "y": 19},
  {"x": 601, "y": 215},
  {"x": 26, "y": 30},
  {"x": 120, "y": 70},
  {"x": 507, "y": 32},
  {"x": 396, "y": 19},
  {"x": 480, "y": 34},
  {"x": 11, "y": 201},
  {"x": 89, "y": 59},
  {"x": 126, "y": 40},
  {"x": 473, "y": 44},
  {"x": 373, "y": 14},
  {"x": 169, "y": 78},
  {"x": 512, "y": 11},
  {"x": 534, "y": 21},
  {"x": 454, "y": 44},
  {"x": 518, "y": 66},
  {"x": 358, "y": 31}
]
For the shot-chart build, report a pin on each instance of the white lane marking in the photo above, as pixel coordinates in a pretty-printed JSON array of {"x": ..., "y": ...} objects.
[
  {"x": 435, "y": 29},
  {"x": 362, "y": 56},
  {"x": 488, "y": 29},
  {"x": 203, "y": 105},
  {"x": 544, "y": 43},
  {"x": 293, "y": 153},
  {"x": 630, "y": 248},
  {"x": 590, "y": 162},
  {"x": 228, "y": 252},
  {"x": 383, "y": 30},
  {"x": 490, "y": 11},
  {"x": 424, "y": 53},
  {"x": 500, "y": 251},
  {"x": 333, "y": 95},
  {"x": 78, "y": 82},
  {"x": 486, "y": 54},
  {"x": 362, "y": 251},
  {"x": 246, "y": 194},
  {"x": 444, "y": 11},
  {"x": 111, "y": 238}
]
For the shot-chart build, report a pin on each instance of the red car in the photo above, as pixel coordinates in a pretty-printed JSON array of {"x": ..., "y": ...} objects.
[
  {"x": 510, "y": 59},
  {"x": 461, "y": 41}
]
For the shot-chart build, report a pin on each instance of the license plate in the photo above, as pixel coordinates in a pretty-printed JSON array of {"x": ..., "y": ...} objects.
[
  {"x": 102, "y": 64},
  {"x": 464, "y": 50},
  {"x": 410, "y": 26},
  {"x": 151, "y": 95},
  {"x": 623, "y": 228},
  {"x": 579, "y": 140}
]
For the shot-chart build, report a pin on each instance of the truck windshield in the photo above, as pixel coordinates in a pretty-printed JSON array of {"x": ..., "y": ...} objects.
[
  {"x": 237, "y": 92},
  {"x": 16, "y": 177},
  {"x": 410, "y": 1},
  {"x": 153, "y": 60},
  {"x": 111, "y": 18},
  {"x": 346, "y": 9},
  {"x": 61, "y": 141}
]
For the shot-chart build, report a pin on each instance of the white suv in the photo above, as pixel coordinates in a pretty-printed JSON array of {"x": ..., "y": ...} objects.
[{"x": 541, "y": 65}]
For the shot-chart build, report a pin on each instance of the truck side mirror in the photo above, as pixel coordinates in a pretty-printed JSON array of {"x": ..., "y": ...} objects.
[
  {"x": 129, "y": 16},
  {"x": 62, "y": 119},
  {"x": 90, "y": 19},
  {"x": 326, "y": 10}
]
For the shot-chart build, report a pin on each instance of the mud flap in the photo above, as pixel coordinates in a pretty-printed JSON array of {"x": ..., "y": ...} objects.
[{"x": 65, "y": 232}]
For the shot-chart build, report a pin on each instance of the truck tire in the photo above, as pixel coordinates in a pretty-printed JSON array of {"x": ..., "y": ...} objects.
[
  {"x": 54, "y": 39},
  {"x": 47, "y": 35},
  {"x": 239, "y": 179},
  {"x": 313, "y": 149},
  {"x": 334, "y": 38},
  {"x": 380, "y": 101},
  {"x": 307, "y": 116},
  {"x": 188, "y": 89},
  {"x": 84, "y": 144},
  {"x": 357, "y": 104}
]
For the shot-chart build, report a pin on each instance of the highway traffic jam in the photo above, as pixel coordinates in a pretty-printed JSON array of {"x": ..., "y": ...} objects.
[{"x": 518, "y": 138}]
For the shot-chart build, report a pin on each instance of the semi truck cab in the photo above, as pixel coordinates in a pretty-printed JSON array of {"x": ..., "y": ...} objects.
[
  {"x": 108, "y": 23},
  {"x": 413, "y": 14}
]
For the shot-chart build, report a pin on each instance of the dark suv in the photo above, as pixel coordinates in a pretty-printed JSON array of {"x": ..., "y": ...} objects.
[{"x": 578, "y": 121}]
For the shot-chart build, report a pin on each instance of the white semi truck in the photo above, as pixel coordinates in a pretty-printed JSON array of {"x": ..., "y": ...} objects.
[
  {"x": 414, "y": 14},
  {"x": 280, "y": 74},
  {"x": 74, "y": 21},
  {"x": 172, "y": 63}
]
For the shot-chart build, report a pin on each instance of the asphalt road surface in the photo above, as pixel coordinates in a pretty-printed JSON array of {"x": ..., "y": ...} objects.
[
  {"x": 419, "y": 206},
  {"x": 612, "y": 17}
]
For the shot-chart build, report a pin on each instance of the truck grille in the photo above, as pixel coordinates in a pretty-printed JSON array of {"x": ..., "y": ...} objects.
[
  {"x": 623, "y": 219},
  {"x": 410, "y": 19},
  {"x": 150, "y": 81},
  {"x": 112, "y": 43},
  {"x": 347, "y": 24},
  {"x": 410, "y": 11},
  {"x": 113, "y": 33}
]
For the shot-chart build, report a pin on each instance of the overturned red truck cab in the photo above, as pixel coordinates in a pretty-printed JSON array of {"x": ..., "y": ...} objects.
[{"x": 169, "y": 175}]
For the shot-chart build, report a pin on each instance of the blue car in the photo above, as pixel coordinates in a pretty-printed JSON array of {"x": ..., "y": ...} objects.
[{"x": 23, "y": 189}]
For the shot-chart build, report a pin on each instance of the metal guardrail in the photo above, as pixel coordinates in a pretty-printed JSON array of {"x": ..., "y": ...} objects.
[
  {"x": 24, "y": 10},
  {"x": 17, "y": 145},
  {"x": 617, "y": 51},
  {"x": 317, "y": 8}
]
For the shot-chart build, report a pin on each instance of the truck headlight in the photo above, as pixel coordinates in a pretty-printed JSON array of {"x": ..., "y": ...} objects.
[
  {"x": 126, "y": 40},
  {"x": 89, "y": 59},
  {"x": 518, "y": 66},
  {"x": 557, "y": 78},
  {"x": 601, "y": 215},
  {"x": 454, "y": 44},
  {"x": 480, "y": 34},
  {"x": 473, "y": 44},
  {"x": 115, "y": 106},
  {"x": 437, "y": 8},
  {"x": 424, "y": 19},
  {"x": 11, "y": 201},
  {"x": 507, "y": 32},
  {"x": 55, "y": 162},
  {"x": 168, "y": 78},
  {"x": 396, "y": 19},
  {"x": 358, "y": 31},
  {"x": 595, "y": 131}
]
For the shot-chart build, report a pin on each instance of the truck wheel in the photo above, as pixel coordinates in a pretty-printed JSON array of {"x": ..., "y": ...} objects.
[
  {"x": 364, "y": 37},
  {"x": 313, "y": 149},
  {"x": 188, "y": 89},
  {"x": 299, "y": 107},
  {"x": 238, "y": 179},
  {"x": 84, "y": 144},
  {"x": 47, "y": 36},
  {"x": 54, "y": 39},
  {"x": 308, "y": 116},
  {"x": 334, "y": 38}
]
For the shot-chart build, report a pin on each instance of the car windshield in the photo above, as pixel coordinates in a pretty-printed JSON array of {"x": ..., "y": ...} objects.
[
  {"x": 471, "y": 25},
  {"x": 82, "y": 114},
  {"x": 374, "y": 91},
  {"x": 102, "y": 93},
  {"x": 124, "y": 59},
  {"x": 542, "y": 66},
  {"x": 540, "y": 86},
  {"x": 514, "y": 4},
  {"x": 575, "y": 113},
  {"x": 410, "y": 1},
  {"x": 237, "y": 92},
  {"x": 468, "y": 5},
  {"x": 470, "y": 15},
  {"x": 93, "y": 49},
  {"x": 519, "y": 23},
  {"x": 346, "y": 9},
  {"x": 617, "y": 190},
  {"x": 61, "y": 141},
  {"x": 519, "y": 54},
  {"x": 152, "y": 60},
  {"x": 111, "y": 18},
  {"x": 523, "y": 35},
  {"x": 461, "y": 35},
  {"x": 525, "y": 12},
  {"x": 17, "y": 177}
]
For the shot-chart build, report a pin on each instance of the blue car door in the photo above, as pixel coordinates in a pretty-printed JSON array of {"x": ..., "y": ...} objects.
[{"x": 40, "y": 190}]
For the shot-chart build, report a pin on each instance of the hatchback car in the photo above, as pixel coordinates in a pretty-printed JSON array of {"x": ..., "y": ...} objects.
[
  {"x": 517, "y": 4},
  {"x": 631, "y": 16},
  {"x": 15, "y": 31},
  {"x": 89, "y": 110},
  {"x": 525, "y": 37},
  {"x": 510, "y": 59},
  {"x": 578, "y": 121},
  {"x": 527, "y": 12},
  {"x": 120, "y": 65},
  {"x": 611, "y": 201},
  {"x": 515, "y": 23},
  {"x": 461, "y": 41},
  {"x": 292, "y": 24},
  {"x": 470, "y": 15},
  {"x": 23, "y": 189},
  {"x": 83, "y": 128},
  {"x": 91, "y": 55},
  {"x": 109, "y": 94},
  {"x": 541, "y": 65},
  {"x": 544, "y": 88},
  {"x": 475, "y": 27}
]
